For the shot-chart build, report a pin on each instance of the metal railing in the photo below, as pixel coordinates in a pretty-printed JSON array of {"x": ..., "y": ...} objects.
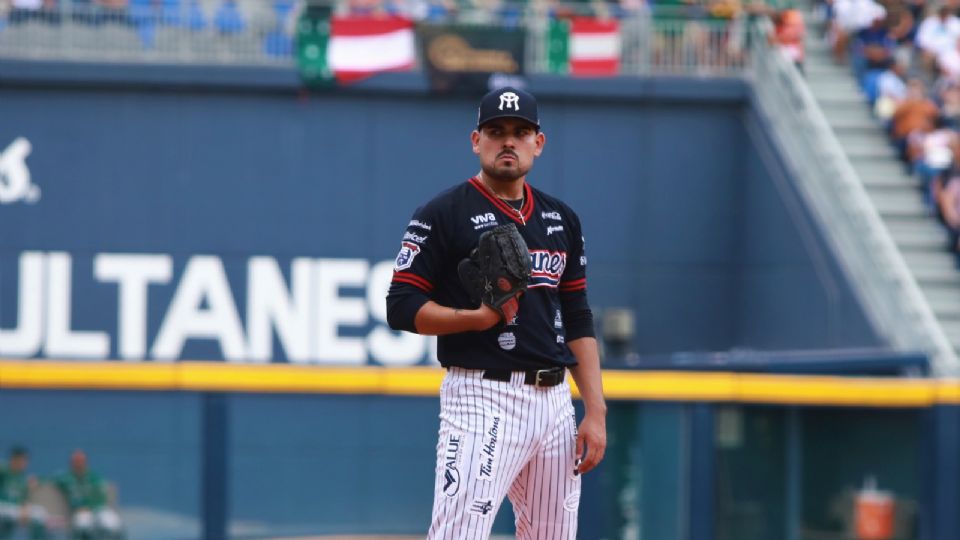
[
  {"x": 192, "y": 33},
  {"x": 833, "y": 190}
]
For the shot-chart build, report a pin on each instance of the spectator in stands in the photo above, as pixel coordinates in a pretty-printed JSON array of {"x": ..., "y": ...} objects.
[
  {"x": 873, "y": 53},
  {"x": 15, "y": 508},
  {"x": 949, "y": 211},
  {"x": 950, "y": 104},
  {"x": 916, "y": 112},
  {"x": 91, "y": 516},
  {"x": 33, "y": 10},
  {"x": 112, "y": 11},
  {"x": 891, "y": 90},
  {"x": 937, "y": 34},
  {"x": 932, "y": 150},
  {"x": 366, "y": 8},
  {"x": 788, "y": 35},
  {"x": 851, "y": 16},
  {"x": 228, "y": 18}
]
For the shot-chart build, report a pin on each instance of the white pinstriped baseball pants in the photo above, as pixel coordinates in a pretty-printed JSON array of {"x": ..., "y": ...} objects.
[{"x": 499, "y": 439}]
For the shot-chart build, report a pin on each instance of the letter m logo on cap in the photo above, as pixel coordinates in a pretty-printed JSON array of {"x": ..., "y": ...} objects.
[{"x": 509, "y": 100}]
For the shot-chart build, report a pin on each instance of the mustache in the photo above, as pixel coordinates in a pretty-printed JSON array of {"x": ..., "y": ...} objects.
[{"x": 508, "y": 153}]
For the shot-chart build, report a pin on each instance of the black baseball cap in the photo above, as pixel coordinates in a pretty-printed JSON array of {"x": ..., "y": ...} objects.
[{"x": 508, "y": 102}]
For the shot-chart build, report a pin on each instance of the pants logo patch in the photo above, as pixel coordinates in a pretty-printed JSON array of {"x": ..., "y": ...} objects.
[
  {"x": 488, "y": 452},
  {"x": 451, "y": 462},
  {"x": 481, "y": 507}
]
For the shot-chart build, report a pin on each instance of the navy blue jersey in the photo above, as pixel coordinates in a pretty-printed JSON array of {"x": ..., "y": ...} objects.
[{"x": 552, "y": 311}]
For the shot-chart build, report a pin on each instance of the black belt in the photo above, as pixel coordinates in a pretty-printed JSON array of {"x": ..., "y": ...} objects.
[{"x": 536, "y": 377}]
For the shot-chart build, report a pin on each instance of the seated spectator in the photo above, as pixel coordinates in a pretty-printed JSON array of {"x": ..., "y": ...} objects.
[
  {"x": 112, "y": 11},
  {"x": 891, "y": 90},
  {"x": 915, "y": 112},
  {"x": 937, "y": 34},
  {"x": 948, "y": 207},
  {"x": 932, "y": 149},
  {"x": 950, "y": 104},
  {"x": 874, "y": 47},
  {"x": 15, "y": 488},
  {"x": 902, "y": 24},
  {"x": 90, "y": 513},
  {"x": 366, "y": 8},
  {"x": 33, "y": 10},
  {"x": 228, "y": 19},
  {"x": 851, "y": 16},
  {"x": 788, "y": 34}
]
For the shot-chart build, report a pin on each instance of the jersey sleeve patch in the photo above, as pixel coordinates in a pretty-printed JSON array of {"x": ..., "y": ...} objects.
[{"x": 408, "y": 252}]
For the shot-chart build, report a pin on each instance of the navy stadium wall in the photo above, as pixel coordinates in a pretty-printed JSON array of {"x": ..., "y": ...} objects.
[
  {"x": 255, "y": 223},
  {"x": 185, "y": 214}
]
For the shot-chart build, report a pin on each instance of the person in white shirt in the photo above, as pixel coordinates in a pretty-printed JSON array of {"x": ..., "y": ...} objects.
[
  {"x": 938, "y": 34},
  {"x": 851, "y": 16}
]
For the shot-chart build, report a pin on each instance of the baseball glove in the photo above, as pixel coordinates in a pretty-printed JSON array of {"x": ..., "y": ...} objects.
[{"x": 498, "y": 270}]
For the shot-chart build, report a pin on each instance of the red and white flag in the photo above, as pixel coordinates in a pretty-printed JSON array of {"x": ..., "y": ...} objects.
[
  {"x": 594, "y": 46},
  {"x": 362, "y": 46}
]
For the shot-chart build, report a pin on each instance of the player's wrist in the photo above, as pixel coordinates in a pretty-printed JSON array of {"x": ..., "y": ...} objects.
[{"x": 484, "y": 318}]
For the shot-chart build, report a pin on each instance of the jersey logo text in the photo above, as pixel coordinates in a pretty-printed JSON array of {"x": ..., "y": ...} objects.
[
  {"x": 414, "y": 237},
  {"x": 488, "y": 452},
  {"x": 422, "y": 225},
  {"x": 451, "y": 457},
  {"x": 551, "y": 215},
  {"x": 554, "y": 228},
  {"x": 483, "y": 218},
  {"x": 547, "y": 267}
]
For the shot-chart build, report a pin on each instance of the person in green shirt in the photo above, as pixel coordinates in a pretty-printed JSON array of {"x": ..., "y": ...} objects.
[
  {"x": 91, "y": 517},
  {"x": 15, "y": 507}
]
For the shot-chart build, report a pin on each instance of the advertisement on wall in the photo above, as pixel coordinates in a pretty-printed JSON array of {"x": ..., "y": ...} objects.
[
  {"x": 328, "y": 311},
  {"x": 76, "y": 303}
]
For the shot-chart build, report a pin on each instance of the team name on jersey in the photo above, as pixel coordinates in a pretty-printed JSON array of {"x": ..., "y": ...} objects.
[{"x": 546, "y": 267}]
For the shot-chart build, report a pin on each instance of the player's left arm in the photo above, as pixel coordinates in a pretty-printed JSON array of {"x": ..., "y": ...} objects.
[
  {"x": 578, "y": 325},
  {"x": 592, "y": 433}
]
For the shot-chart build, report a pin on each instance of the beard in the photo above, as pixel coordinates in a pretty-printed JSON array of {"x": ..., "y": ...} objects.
[{"x": 504, "y": 174}]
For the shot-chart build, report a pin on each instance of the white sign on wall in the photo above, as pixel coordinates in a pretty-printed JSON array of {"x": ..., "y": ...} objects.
[{"x": 313, "y": 319}]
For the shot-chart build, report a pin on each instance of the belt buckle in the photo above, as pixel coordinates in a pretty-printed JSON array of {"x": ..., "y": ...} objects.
[{"x": 538, "y": 381}]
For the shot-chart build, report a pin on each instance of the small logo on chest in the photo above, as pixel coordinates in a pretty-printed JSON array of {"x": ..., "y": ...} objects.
[{"x": 482, "y": 221}]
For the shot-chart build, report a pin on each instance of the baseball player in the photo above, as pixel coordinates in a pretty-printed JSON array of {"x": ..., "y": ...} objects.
[{"x": 507, "y": 425}]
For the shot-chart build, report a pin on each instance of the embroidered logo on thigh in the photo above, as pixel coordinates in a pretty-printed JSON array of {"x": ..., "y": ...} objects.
[
  {"x": 451, "y": 464},
  {"x": 481, "y": 507},
  {"x": 490, "y": 450},
  {"x": 572, "y": 502}
]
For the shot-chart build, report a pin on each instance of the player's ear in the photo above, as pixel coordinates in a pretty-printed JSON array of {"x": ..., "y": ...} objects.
[
  {"x": 541, "y": 140},
  {"x": 475, "y": 141}
]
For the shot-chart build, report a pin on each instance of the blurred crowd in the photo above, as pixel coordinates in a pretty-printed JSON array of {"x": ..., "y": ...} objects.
[
  {"x": 87, "y": 499},
  {"x": 905, "y": 55},
  {"x": 230, "y": 15}
]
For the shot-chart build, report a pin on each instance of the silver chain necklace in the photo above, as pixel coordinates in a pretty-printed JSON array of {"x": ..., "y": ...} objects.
[{"x": 523, "y": 199}]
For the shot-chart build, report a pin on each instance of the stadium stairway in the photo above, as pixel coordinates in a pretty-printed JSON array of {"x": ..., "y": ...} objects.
[{"x": 920, "y": 238}]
